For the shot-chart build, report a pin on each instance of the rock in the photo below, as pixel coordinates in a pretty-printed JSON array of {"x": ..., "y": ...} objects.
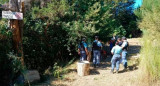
[
  {"x": 32, "y": 76},
  {"x": 83, "y": 68}
]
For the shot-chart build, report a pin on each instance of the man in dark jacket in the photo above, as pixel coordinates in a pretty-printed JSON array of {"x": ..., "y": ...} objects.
[
  {"x": 97, "y": 46},
  {"x": 82, "y": 50}
]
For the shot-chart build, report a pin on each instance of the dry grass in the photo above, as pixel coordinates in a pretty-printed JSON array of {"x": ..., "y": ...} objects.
[{"x": 150, "y": 61}]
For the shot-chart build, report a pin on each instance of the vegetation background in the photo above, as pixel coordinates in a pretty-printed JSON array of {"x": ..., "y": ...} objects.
[{"x": 149, "y": 22}]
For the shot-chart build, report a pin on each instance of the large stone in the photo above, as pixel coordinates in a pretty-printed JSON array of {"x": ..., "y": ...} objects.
[
  {"x": 83, "y": 68},
  {"x": 32, "y": 76}
]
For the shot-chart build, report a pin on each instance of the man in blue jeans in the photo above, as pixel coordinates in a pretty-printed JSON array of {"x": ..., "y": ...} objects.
[
  {"x": 97, "y": 46},
  {"x": 115, "y": 61},
  {"x": 82, "y": 50},
  {"x": 124, "y": 46}
]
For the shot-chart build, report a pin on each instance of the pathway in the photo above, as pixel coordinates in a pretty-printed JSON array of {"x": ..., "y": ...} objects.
[{"x": 102, "y": 76}]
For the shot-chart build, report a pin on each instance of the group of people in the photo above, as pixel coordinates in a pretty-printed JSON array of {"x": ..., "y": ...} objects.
[
  {"x": 85, "y": 52},
  {"x": 118, "y": 50}
]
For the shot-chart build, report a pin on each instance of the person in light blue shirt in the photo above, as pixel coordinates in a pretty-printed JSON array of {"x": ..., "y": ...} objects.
[
  {"x": 115, "y": 61},
  {"x": 82, "y": 50},
  {"x": 97, "y": 46}
]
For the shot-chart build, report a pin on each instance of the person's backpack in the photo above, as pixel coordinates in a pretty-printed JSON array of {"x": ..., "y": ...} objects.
[
  {"x": 127, "y": 46},
  {"x": 82, "y": 48},
  {"x": 95, "y": 46}
]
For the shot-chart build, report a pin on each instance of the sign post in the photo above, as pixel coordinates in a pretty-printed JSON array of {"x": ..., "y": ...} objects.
[
  {"x": 16, "y": 25},
  {"x": 12, "y": 15}
]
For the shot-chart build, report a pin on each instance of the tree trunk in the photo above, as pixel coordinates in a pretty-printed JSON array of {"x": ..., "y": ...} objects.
[{"x": 17, "y": 28}]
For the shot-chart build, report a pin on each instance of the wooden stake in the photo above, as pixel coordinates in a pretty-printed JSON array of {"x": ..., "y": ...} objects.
[{"x": 17, "y": 28}]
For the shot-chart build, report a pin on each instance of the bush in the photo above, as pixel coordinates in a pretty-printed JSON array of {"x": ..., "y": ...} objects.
[
  {"x": 52, "y": 33},
  {"x": 11, "y": 66},
  {"x": 150, "y": 62}
]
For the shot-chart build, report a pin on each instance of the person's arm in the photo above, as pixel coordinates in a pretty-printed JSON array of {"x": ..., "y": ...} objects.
[
  {"x": 101, "y": 46},
  {"x": 124, "y": 44},
  {"x": 121, "y": 52},
  {"x": 112, "y": 51},
  {"x": 78, "y": 51},
  {"x": 127, "y": 46},
  {"x": 86, "y": 50}
]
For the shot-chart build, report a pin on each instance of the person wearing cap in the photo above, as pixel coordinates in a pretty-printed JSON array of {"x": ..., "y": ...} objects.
[
  {"x": 124, "y": 52},
  {"x": 82, "y": 50},
  {"x": 119, "y": 41},
  {"x": 112, "y": 44},
  {"x": 115, "y": 61},
  {"x": 97, "y": 46}
]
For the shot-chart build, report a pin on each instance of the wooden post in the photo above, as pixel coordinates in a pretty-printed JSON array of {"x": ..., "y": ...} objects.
[{"x": 17, "y": 28}]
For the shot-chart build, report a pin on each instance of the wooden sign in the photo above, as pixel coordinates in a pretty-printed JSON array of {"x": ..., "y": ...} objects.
[{"x": 12, "y": 15}]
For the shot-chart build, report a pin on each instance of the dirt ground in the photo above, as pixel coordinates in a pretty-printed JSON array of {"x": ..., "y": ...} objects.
[{"x": 102, "y": 76}]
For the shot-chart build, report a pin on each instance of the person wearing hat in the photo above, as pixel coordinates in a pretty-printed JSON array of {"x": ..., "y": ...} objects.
[
  {"x": 124, "y": 46},
  {"x": 97, "y": 46},
  {"x": 112, "y": 43},
  {"x": 119, "y": 41},
  {"x": 115, "y": 61},
  {"x": 82, "y": 50}
]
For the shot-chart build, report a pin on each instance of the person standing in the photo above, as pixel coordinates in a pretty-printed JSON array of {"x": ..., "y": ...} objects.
[
  {"x": 112, "y": 43},
  {"x": 82, "y": 50},
  {"x": 89, "y": 50},
  {"x": 119, "y": 41},
  {"x": 97, "y": 46},
  {"x": 115, "y": 61},
  {"x": 124, "y": 46}
]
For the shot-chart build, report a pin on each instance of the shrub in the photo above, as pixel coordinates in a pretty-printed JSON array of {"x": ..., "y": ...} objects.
[{"x": 150, "y": 62}]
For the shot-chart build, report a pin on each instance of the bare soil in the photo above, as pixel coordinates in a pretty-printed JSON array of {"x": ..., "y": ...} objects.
[{"x": 102, "y": 76}]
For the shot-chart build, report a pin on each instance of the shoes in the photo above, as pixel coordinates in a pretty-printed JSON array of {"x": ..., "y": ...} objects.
[
  {"x": 125, "y": 69},
  {"x": 97, "y": 65},
  {"x": 94, "y": 65},
  {"x": 117, "y": 72},
  {"x": 112, "y": 72}
]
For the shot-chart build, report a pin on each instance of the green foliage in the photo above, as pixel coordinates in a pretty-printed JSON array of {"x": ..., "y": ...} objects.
[
  {"x": 129, "y": 23},
  {"x": 56, "y": 70},
  {"x": 52, "y": 33},
  {"x": 150, "y": 62},
  {"x": 10, "y": 64},
  {"x": 16, "y": 63},
  {"x": 3, "y": 1}
]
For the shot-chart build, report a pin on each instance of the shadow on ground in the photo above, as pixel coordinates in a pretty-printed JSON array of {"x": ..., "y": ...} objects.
[
  {"x": 58, "y": 85},
  {"x": 71, "y": 70},
  {"x": 129, "y": 69},
  {"x": 94, "y": 72},
  {"x": 134, "y": 49}
]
